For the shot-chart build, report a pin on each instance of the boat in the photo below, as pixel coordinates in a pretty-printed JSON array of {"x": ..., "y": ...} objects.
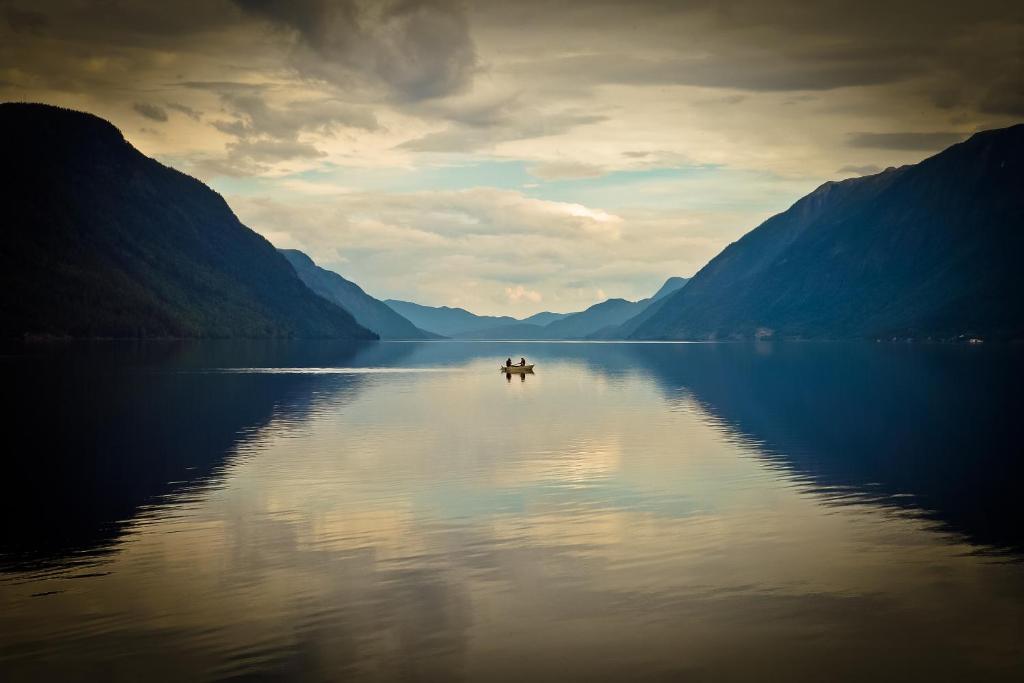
[{"x": 516, "y": 368}]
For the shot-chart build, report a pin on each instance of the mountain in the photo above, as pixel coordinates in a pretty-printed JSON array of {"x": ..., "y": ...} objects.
[
  {"x": 598, "y": 316},
  {"x": 371, "y": 313},
  {"x": 605, "y": 322},
  {"x": 629, "y": 327},
  {"x": 928, "y": 250},
  {"x": 543, "y": 318},
  {"x": 644, "y": 309},
  {"x": 102, "y": 241},
  {"x": 620, "y": 327},
  {"x": 671, "y": 285},
  {"x": 448, "y": 322},
  {"x": 600, "y": 321},
  {"x": 604, "y": 317}
]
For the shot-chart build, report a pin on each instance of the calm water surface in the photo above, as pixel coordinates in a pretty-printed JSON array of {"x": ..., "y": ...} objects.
[{"x": 405, "y": 511}]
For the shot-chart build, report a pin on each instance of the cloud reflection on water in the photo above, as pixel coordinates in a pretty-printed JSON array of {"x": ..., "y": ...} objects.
[{"x": 636, "y": 511}]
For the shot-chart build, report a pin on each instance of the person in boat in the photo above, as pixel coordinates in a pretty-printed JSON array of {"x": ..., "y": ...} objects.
[
  {"x": 508, "y": 362},
  {"x": 522, "y": 362}
]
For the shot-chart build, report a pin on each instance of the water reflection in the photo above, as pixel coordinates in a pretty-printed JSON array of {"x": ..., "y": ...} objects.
[
  {"x": 931, "y": 427},
  {"x": 630, "y": 511},
  {"x": 102, "y": 431}
]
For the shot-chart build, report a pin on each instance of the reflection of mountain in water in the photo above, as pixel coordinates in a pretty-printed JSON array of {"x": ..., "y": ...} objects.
[
  {"x": 935, "y": 427},
  {"x": 98, "y": 432}
]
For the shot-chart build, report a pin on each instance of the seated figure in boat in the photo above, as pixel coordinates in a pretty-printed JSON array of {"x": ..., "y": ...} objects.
[{"x": 522, "y": 362}]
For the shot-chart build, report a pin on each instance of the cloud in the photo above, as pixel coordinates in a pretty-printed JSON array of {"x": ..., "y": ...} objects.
[
  {"x": 485, "y": 118},
  {"x": 266, "y": 133},
  {"x": 151, "y": 111},
  {"x": 274, "y": 150},
  {"x": 489, "y": 250},
  {"x": 749, "y": 69},
  {"x": 427, "y": 76},
  {"x": 26, "y": 21},
  {"x": 566, "y": 170},
  {"x": 418, "y": 49},
  {"x": 524, "y": 125},
  {"x": 905, "y": 141},
  {"x": 361, "y": 123},
  {"x": 920, "y": 50},
  {"x": 519, "y": 293},
  {"x": 186, "y": 110},
  {"x": 1006, "y": 96},
  {"x": 254, "y": 117}
]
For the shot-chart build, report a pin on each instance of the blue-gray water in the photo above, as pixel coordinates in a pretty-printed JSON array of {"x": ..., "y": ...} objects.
[{"x": 401, "y": 511}]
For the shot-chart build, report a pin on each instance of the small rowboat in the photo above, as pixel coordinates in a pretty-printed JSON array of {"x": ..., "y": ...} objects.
[{"x": 516, "y": 368}]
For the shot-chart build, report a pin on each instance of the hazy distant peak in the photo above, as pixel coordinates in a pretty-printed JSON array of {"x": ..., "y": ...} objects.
[
  {"x": 671, "y": 285},
  {"x": 369, "y": 312},
  {"x": 294, "y": 255}
]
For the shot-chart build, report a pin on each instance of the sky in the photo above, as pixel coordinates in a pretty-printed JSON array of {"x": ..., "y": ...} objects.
[{"x": 513, "y": 157}]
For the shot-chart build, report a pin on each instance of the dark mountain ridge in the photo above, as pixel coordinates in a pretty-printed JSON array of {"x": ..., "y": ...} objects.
[
  {"x": 928, "y": 250},
  {"x": 102, "y": 241}
]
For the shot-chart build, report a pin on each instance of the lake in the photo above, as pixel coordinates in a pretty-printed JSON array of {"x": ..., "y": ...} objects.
[{"x": 322, "y": 511}]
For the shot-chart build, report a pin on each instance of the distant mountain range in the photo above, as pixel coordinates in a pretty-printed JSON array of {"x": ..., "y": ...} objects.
[
  {"x": 371, "y": 313},
  {"x": 928, "y": 250},
  {"x": 102, "y": 241},
  {"x": 446, "y": 321},
  {"x": 600, "y": 318},
  {"x": 543, "y": 318}
]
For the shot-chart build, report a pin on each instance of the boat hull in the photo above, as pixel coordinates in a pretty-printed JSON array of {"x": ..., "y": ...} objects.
[{"x": 516, "y": 368}]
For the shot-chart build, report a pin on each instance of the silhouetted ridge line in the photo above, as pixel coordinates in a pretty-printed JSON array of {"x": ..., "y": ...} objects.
[{"x": 102, "y": 241}]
